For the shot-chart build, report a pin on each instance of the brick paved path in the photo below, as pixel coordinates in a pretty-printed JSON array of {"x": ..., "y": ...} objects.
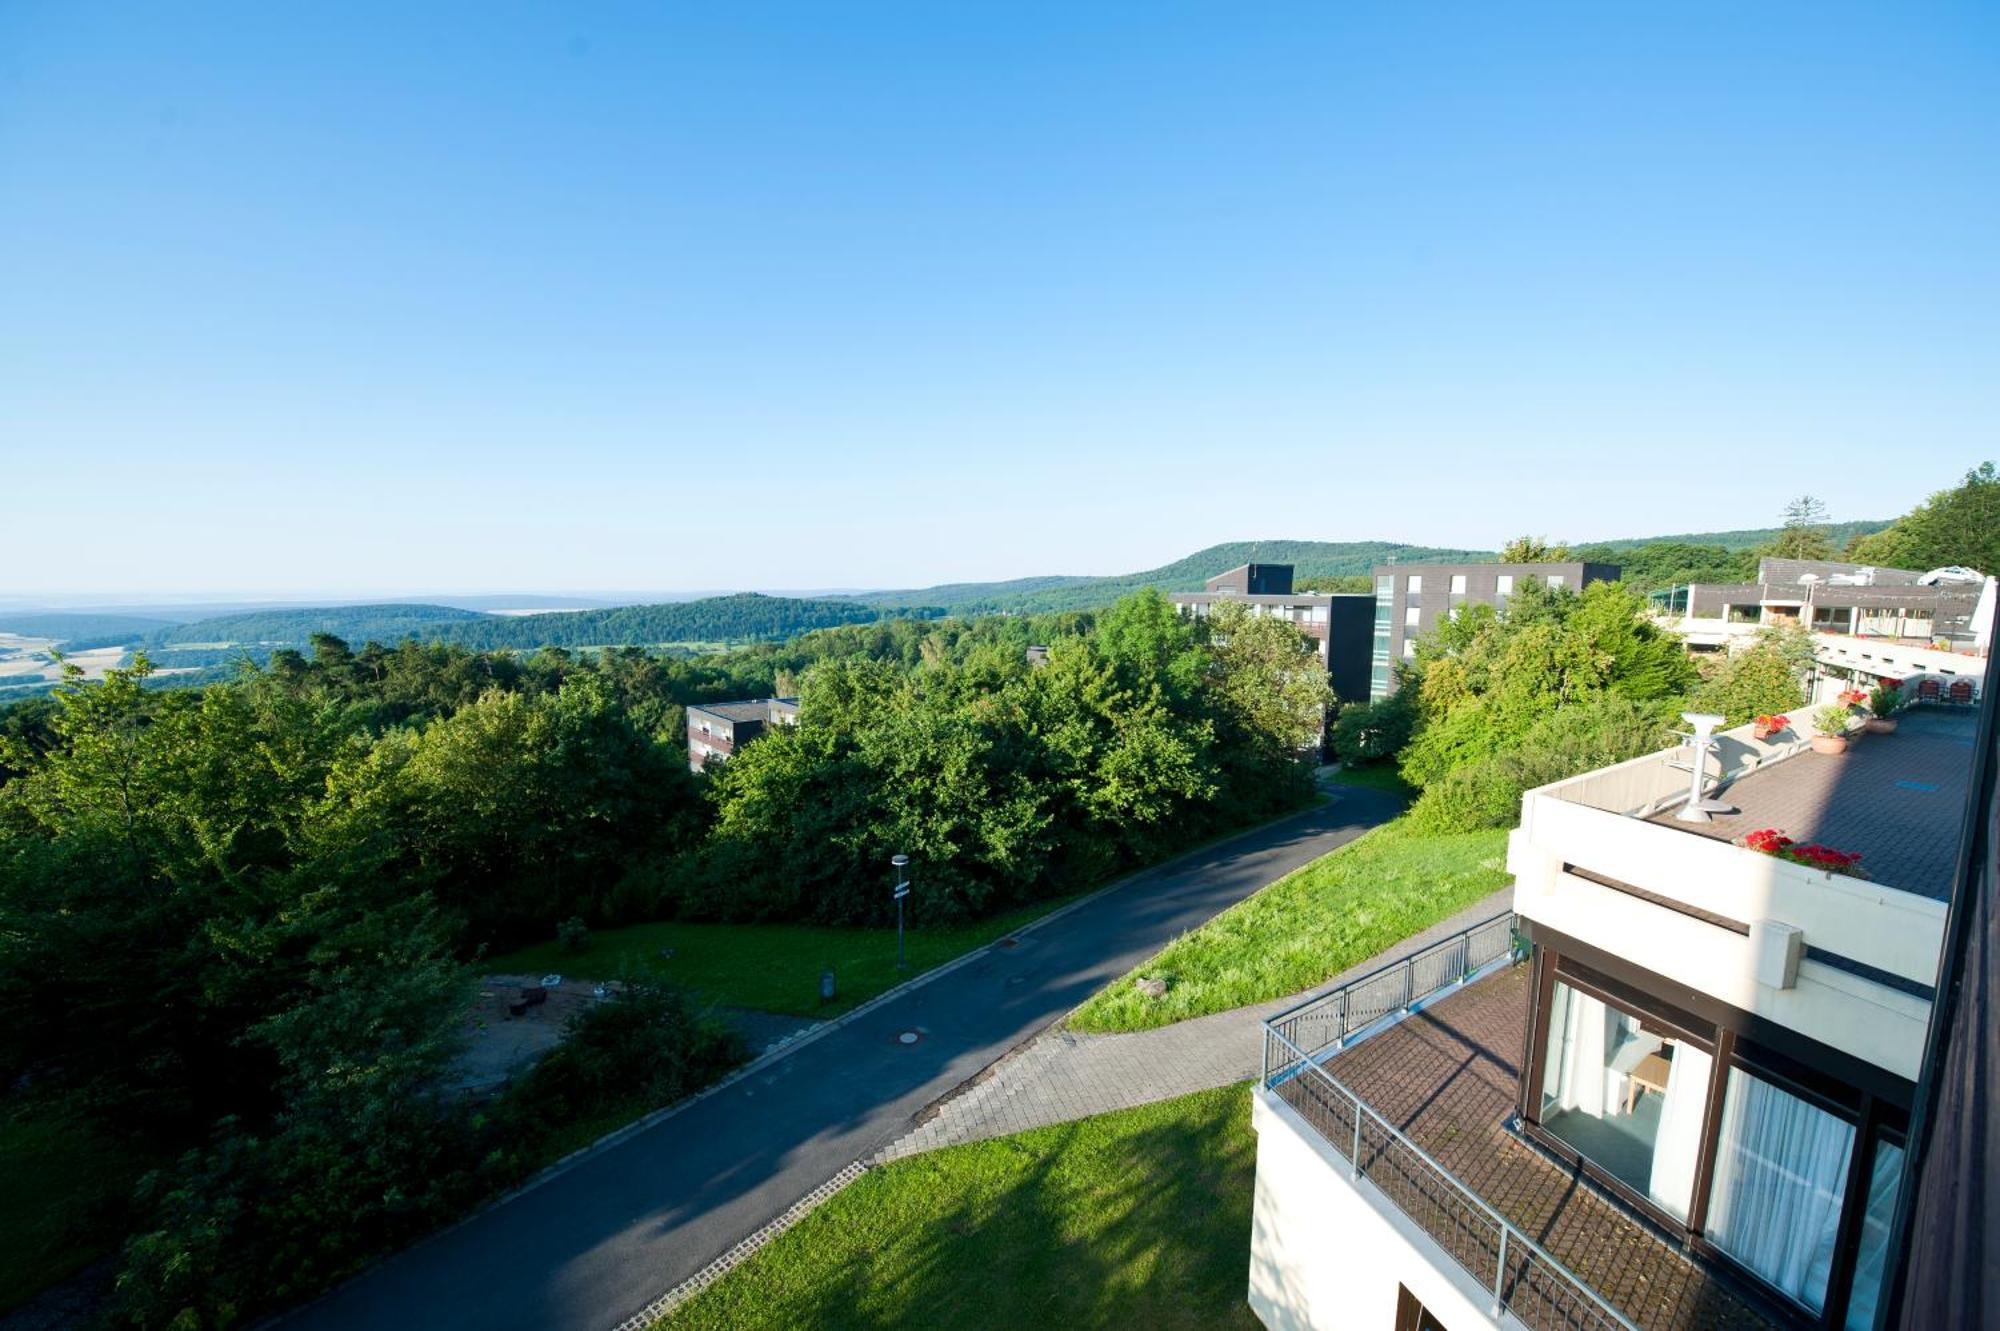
[{"x": 1061, "y": 1075}]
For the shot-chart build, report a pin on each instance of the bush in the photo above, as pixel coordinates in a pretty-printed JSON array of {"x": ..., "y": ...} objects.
[
  {"x": 1832, "y": 719},
  {"x": 573, "y": 935},
  {"x": 646, "y": 1046},
  {"x": 1367, "y": 732},
  {"x": 1608, "y": 729},
  {"x": 1885, "y": 698}
]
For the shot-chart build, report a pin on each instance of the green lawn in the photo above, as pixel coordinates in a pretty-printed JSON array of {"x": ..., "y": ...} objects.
[
  {"x": 775, "y": 967},
  {"x": 1310, "y": 925},
  {"x": 63, "y": 1190},
  {"x": 1139, "y": 1218}
]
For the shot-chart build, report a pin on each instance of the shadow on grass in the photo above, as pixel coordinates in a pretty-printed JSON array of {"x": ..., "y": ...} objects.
[{"x": 1140, "y": 1218}]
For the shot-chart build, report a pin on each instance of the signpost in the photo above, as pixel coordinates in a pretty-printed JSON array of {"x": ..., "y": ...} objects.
[{"x": 902, "y": 890}]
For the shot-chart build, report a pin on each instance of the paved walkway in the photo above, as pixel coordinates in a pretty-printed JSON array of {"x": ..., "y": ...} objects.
[
  {"x": 597, "y": 1242},
  {"x": 1062, "y": 1075}
]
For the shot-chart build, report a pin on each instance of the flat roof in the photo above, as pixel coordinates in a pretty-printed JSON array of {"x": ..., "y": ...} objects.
[
  {"x": 749, "y": 709},
  {"x": 1897, "y": 799},
  {"x": 1449, "y": 1076}
]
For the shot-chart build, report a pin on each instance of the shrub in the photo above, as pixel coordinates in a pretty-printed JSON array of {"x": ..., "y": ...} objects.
[
  {"x": 1369, "y": 732},
  {"x": 1885, "y": 698},
  {"x": 1770, "y": 841},
  {"x": 646, "y": 1045},
  {"x": 573, "y": 935},
  {"x": 1606, "y": 730},
  {"x": 1832, "y": 719}
]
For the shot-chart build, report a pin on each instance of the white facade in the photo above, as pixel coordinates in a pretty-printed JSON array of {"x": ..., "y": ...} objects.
[{"x": 1328, "y": 1251}]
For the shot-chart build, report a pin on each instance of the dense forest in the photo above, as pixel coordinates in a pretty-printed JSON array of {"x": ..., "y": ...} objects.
[
  {"x": 744, "y": 617},
  {"x": 239, "y": 924}
]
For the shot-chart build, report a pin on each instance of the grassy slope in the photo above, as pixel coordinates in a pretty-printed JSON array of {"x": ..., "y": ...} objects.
[
  {"x": 770, "y": 966},
  {"x": 1139, "y": 1218},
  {"x": 1375, "y": 776},
  {"x": 62, "y": 1194},
  {"x": 1310, "y": 925}
]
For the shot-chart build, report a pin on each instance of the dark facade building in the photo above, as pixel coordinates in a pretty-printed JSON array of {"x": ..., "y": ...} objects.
[
  {"x": 1410, "y": 599},
  {"x": 1339, "y": 622},
  {"x": 717, "y": 730}
]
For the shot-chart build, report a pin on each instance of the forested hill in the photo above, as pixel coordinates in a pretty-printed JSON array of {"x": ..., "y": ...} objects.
[
  {"x": 1310, "y": 560},
  {"x": 745, "y": 617},
  {"x": 356, "y": 623},
  {"x": 1748, "y": 538},
  {"x": 63, "y": 626}
]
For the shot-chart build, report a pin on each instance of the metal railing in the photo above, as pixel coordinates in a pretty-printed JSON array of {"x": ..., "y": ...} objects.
[
  {"x": 1523, "y": 1278},
  {"x": 1331, "y": 1019}
]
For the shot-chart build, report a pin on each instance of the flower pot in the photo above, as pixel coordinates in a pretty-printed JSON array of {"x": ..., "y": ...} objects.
[
  {"x": 1829, "y": 744},
  {"x": 1881, "y": 725},
  {"x": 1761, "y": 732}
]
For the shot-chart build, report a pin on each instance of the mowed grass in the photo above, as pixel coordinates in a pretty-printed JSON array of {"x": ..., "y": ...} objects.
[
  {"x": 1139, "y": 1218},
  {"x": 1308, "y": 926},
  {"x": 63, "y": 1194},
  {"x": 775, "y": 967}
]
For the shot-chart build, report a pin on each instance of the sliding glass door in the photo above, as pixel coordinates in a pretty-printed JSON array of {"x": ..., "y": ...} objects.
[
  {"x": 1780, "y": 1179},
  {"x": 1627, "y": 1093}
]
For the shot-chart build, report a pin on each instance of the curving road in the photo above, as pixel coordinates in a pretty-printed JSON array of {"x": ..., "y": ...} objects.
[{"x": 595, "y": 1243}]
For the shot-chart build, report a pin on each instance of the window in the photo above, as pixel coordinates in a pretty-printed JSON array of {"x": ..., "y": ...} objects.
[
  {"x": 1409, "y": 646},
  {"x": 1745, "y": 614},
  {"x": 1504, "y": 584},
  {"x": 1628, "y": 1094},
  {"x": 1558, "y": 580},
  {"x": 1319, "y": 613},
  {"x": 1458, "y": 584},
  {"x": 1412, "y": 616},
  {"x": 1415, "y": 584},
  {"x": 1411, "y": 1315},
  {"x": 1883, "y": 1179},
  {"x": 1385, "y": 585},
  {"x": 1780, "y": 1177}
]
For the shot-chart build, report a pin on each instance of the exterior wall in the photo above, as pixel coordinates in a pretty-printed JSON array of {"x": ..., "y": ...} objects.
[
  {"x": 1328, "y": 1251},
  {"x": 1415, "y": 612},
  {"x": 1350, "y": 634},
  {"x": 1878, "y": 926},
  {"x": 1254, "y": 580}
]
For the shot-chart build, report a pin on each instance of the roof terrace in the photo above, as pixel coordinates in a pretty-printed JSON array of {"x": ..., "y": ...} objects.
[{"x": 1896, "y": 799}]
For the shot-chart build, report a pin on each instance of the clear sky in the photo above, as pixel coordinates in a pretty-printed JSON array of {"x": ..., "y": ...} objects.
[{"x": 540, "y": 296}]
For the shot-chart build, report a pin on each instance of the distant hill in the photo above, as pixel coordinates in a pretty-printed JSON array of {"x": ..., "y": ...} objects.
[
  {"x": 745, "y": 617},
  {"x": 64, "y": 626},
  {"x": 1309, "y": 559},
  {"x": 1840, "y": 533},
  {"x": 279, "y": 628}
]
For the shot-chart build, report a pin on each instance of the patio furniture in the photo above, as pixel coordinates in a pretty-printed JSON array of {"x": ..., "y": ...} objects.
[
  {"x": 1927, "y": 689},
  {"x": 1961, "y": 692}
]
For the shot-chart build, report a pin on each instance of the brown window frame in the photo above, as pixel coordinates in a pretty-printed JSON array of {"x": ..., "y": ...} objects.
[{"x": 1732, "y": 1038}]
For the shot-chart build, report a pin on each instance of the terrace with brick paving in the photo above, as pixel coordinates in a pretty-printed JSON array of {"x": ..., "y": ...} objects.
[{"x": 1448, "y": 1077}]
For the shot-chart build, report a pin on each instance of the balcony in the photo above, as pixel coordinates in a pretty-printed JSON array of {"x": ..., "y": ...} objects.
[{"x": 1411, "y": 1113}]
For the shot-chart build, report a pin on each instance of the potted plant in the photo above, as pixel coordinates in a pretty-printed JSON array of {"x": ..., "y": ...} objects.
[
  {"x": 1771, "y": 841},
  {"x": 1883, "y": 701},
  {"x": 1830, "y": 729},
  {"x": 1768, "y": 725}
]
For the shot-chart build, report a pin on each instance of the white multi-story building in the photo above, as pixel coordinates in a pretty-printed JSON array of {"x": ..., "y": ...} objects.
[{"x": 1671, "y": 1089}]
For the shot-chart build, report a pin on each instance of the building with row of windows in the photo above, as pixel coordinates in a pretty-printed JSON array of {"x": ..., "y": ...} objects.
[{"x": 716, "y": 730}]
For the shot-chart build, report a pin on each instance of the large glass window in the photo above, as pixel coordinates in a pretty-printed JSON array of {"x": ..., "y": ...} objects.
[
  {"x": 1627, "y": 1095},
  {"x": 1504, "y": 585},
  {"x": 1780, "y": 1174},
  {"x": 1415, "y": 584},
  {"x": 1884, "y": 1178}
]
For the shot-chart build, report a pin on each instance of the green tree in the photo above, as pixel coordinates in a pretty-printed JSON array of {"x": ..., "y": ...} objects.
[
  {"x": 1533, "y": 550},
  {"x": 1957, "y": 526},
  {"x": 1803, "y": 535}
]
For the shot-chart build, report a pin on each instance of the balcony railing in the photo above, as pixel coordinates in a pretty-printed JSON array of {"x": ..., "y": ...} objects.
[{"x": 1523, "y": 1278}]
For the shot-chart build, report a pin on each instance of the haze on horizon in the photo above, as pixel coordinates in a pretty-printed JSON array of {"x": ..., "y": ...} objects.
[{"x": 381, "y": 302}]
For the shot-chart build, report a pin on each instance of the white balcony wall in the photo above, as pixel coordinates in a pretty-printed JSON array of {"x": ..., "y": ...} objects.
[{"x": 1327, "y": 1251}]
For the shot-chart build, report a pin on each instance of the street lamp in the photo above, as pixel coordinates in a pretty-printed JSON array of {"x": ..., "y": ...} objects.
[{"x": 901, "y": 862}]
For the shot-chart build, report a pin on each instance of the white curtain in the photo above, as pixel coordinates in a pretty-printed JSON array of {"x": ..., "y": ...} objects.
[
  {"x": 1781, "y": 1167},
  {"x": 1679, "y": 1139},
  {"x": 1580, "y": 1079}
]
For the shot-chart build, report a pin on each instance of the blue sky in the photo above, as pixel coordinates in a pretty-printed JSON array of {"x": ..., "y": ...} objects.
[{"x": 415, "y": 297}]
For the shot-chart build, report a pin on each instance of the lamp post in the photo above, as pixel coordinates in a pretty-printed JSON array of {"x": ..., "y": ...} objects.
[{"x": 902, "y": 890}]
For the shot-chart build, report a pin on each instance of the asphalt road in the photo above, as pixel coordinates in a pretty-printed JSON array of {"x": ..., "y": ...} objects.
[{"x": 596, "y": 1243}]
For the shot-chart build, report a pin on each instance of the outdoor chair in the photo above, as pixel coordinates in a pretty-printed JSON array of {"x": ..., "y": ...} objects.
[
  {"x": 1927, "y": 690},
  {"x": 1961, "y": 692}
]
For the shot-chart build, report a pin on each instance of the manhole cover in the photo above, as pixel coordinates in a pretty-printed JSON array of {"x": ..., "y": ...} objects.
[{"x": 908, "y": 1037}]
